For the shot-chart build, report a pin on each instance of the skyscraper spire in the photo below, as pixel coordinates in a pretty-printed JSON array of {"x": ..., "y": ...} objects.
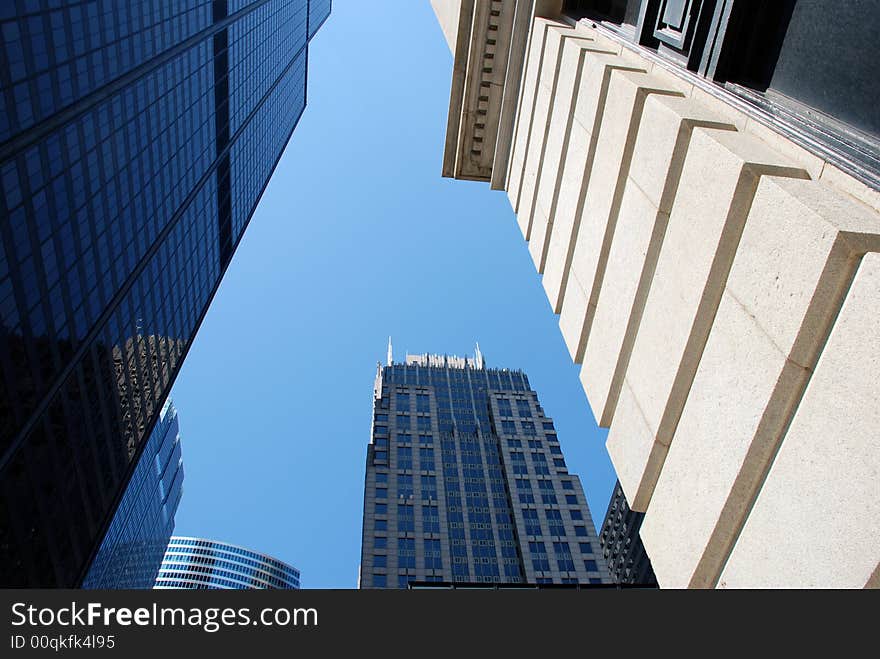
[{"x": 389, "y": 351}]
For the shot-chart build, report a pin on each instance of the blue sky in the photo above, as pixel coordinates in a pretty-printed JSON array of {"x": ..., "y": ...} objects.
[{"x": 356, "y": 238}]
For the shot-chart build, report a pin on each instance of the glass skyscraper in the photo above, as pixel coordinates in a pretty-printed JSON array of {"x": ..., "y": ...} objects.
[
  {"x": 135, "y": 141},
  {"x": 196, "y": 563},
  {"x": 132, "y": 550},
  {"x": 466, "y": 482}
]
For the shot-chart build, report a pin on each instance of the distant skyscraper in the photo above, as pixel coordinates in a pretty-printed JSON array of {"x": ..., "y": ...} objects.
[
  {"x": 466, "y": 482},
  {"x": 136, "y": 139},
  {"x": 135, "y": 543},
  {"x": 622, "y": 545},
  {"x": 195, "y": 563}
]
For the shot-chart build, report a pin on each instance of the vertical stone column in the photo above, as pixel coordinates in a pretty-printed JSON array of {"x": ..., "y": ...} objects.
[
  {"x": 662, "y": 143},
  {"x": 624, "y": 104},
  {"x": 589, "y": 113},
  {"x": 802, "y": 248},
  {"x": 558, "y": 132},
  {"x": 545, "y": 93},
  {"x": 718, "y": 182}
]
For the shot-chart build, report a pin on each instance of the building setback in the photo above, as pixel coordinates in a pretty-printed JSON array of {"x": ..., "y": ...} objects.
[
  {"x": 199, "y": 564},
  {"x": 132, "y": 549},
  {"x": 704, "y": 214},
  {"x": 136, "y": 139},
  {"x": 466, "y": 482}
]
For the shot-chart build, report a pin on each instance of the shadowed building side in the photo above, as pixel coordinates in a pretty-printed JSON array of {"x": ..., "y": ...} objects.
[
  {"x": 132, "y": 550},
  {"x": 136, "y": 139}
]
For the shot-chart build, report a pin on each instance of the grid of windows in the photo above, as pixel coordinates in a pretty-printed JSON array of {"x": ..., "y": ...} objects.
[
  {"x": 429, "y": 487},
  {"x": 135, "y": 141},
  {"x": 540, "y": 561},
  {"x": 621, "y": 545},
  {"x": 476, "y": 500},
  {"x": 132, "y": 549},
  {"x": 255, "y": 42},
  {"x": 405, "y": 458},
  {"x": 563, "y": 557},
  {"x": 404, "y": 486},
  {"x": 430, "y": 519},
  {"x": 57, "y": 57},
  {"x": 319, "y": 10},
  {"x": 406, "y": 553},
  {"x": 554, "y": 522},
  {"x": 196, "y": 563},
  {"x": 406, "y": 521},
  {"x": 266, "y": 132},
  {"x": 433, "y": 560},
  {"x": 548, "y": 495}
]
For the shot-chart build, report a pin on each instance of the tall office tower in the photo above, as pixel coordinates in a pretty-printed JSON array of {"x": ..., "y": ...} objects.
[
  {"x": 705, "y": 217},
  {"x": 135, "y": 141},
  {"x": 466, "y": 482},
  {"x": 622, "y": 546},
  {"x": 132, "y": 550},
  {"x": 196, "y": 563}
]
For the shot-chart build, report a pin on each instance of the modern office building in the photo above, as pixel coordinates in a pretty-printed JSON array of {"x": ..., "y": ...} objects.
[
  {"x": 622, "y": 546},
  {"x": 698, "y": 184},
  {"x": 196, "y": 563},
  {"x": 132, "y": 549},
  {"x": 136, "y": 139},
  {"x": 466, "y": 482}
]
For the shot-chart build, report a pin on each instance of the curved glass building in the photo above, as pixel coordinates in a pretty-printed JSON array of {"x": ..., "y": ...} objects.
[{"x": 196, "y": 563}]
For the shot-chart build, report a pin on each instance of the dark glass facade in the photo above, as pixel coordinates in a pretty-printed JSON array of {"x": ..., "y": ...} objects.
[
  {"x": 622, "y": 545},
  {"x": 132, "y": 550},
  {"x": 466, "y": 483},
  {"x": 135, "y": 141},
  {"x": 199, "y": 564}
]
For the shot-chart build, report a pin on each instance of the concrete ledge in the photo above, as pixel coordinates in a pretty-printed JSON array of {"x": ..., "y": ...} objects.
[
  {"x": 663, "y": 139},
  {"x": 455, "y": 18},
  {"x": 627, "y": 92},
  {"x": 525, "y": 115},
  {"x": 577, "y": 167},
  {"x": 570, "y": 323},
  {"x": 632, "y": 450},
  {"x": 551, "y": 67},
  {"x": 718, "y": 182},
  {"x": 559, "y": 126},
  {"x": 823, "y": 482},
  {"x": 540, "y": 229},
  {"x": 524, "y": 12},
  {"x": 796, "y": 258},
  {"x": 448, "y": 13}
]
